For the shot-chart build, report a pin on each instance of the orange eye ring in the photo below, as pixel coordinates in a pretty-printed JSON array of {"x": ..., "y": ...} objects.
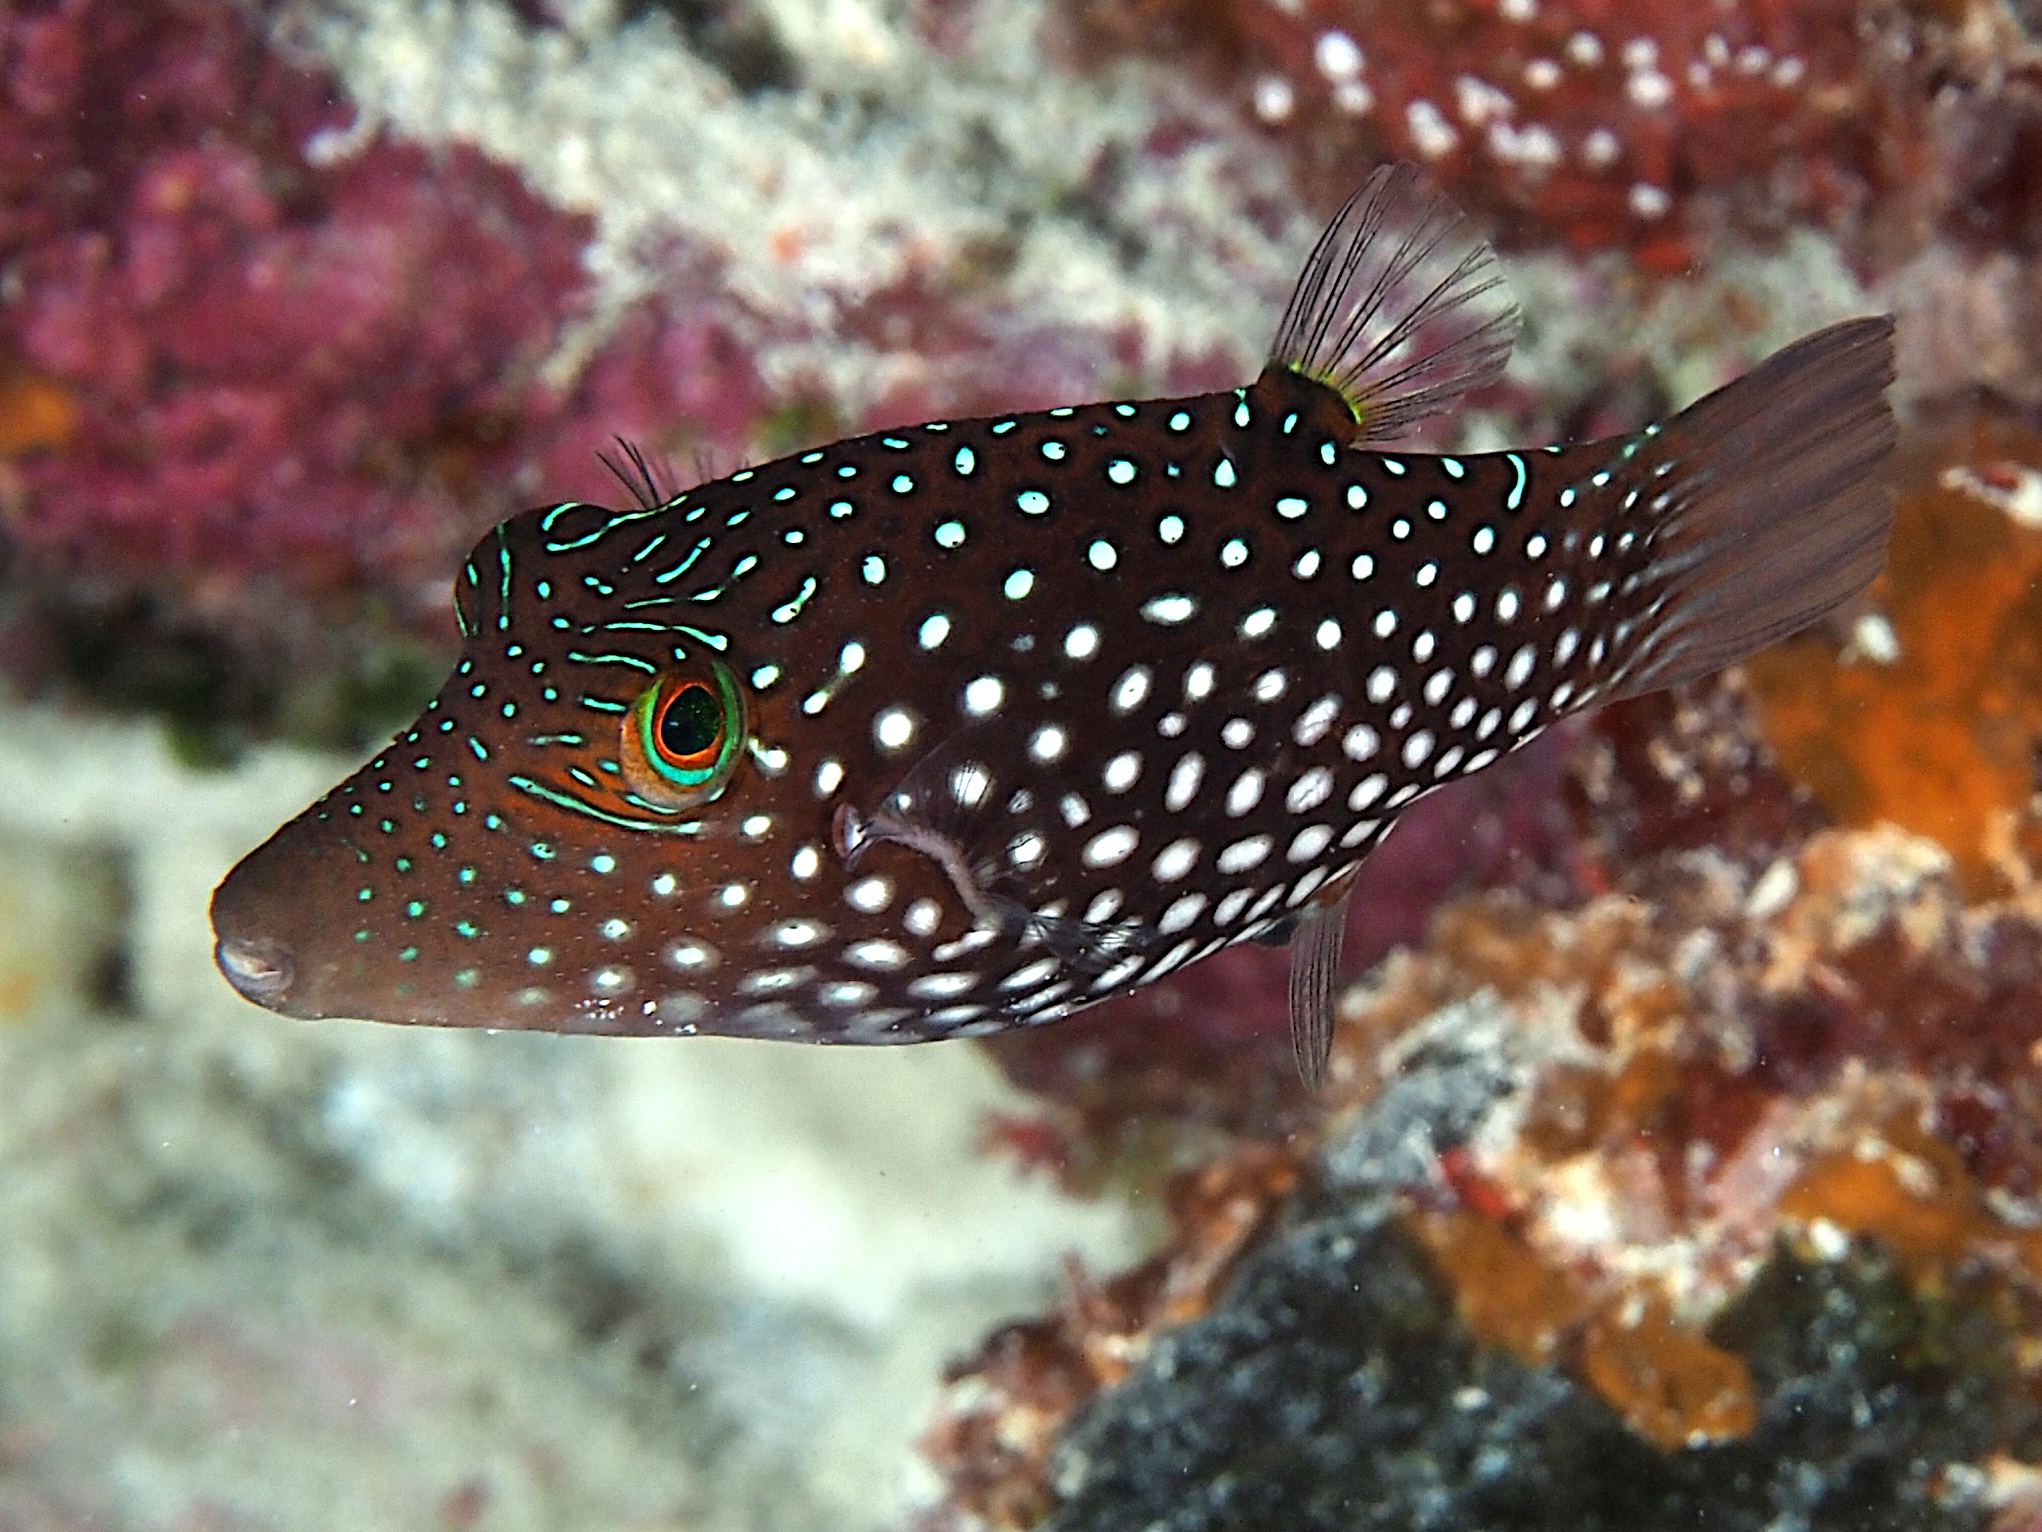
[
  {"x": 684, "y": 737},
  {"x": 686, "y": 730}
]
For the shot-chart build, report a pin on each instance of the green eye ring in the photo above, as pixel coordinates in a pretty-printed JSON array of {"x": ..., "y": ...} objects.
[{"x": 685, "y": 735}]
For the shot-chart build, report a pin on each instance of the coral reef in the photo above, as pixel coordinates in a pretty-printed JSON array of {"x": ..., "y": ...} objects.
[
  {"x": 1330, "y": 1387},
  {"x": 1603, "y": 126},
  {"x": 1622, "y": 1136},
  {"x": 244, "y": 368},
  {"x": 1363, "y": 1354}
]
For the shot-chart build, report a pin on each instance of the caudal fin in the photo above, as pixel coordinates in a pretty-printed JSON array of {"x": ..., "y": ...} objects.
[{"x": 1768, "y": 504}]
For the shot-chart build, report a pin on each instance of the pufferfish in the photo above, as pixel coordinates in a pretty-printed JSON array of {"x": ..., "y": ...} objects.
[{"x": 971, "y": 725}]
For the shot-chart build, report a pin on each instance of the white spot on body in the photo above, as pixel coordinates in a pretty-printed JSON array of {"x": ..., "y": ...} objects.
[
  {"x": 1170, "y": 610},
  {"x": 983, "y": 696},
  {"x": 1308, "y": 843},
  {"x": 1109, "y": 848},
  {"x": 690, "y": 955},
  {"x": 1243, "y": 855},
  {"x": 1431, "y": 134},
  {"x": 1309, "y": 791},
  {"x": 942, "y": 986},
  {"x": 876, "y": 953},
  {"x": 1181, "y": 913},
  {"x": 893, "y": 728},
  {"x": 1316, "y": 721},
  {"x": 869, "y": 895},
  {"x": 1245, "y": 793},
  {"x": 612, "y": 980},
  {"x": 1337, "y": 56},
  {"x": 1131, "y": 690}
]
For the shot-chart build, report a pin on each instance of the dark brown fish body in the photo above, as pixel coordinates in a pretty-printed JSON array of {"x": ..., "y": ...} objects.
[{"x": 954, "y": 728}]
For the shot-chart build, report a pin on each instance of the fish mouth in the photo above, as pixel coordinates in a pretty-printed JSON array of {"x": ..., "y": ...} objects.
[{"x": 259, "y": 968}]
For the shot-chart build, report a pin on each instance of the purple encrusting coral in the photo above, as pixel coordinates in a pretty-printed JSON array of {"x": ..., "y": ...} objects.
[
  {"x": 322, "y": 372},
  {"x": 275, "y": 363}
]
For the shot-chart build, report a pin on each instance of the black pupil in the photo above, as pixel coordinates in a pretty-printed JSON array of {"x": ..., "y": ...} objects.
[{"x": 691, "y": 722}]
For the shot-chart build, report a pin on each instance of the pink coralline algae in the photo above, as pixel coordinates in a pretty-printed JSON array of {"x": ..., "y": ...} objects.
[
  {"x": 249, "y": 361},
  {"x": 1584, "y": 118}
]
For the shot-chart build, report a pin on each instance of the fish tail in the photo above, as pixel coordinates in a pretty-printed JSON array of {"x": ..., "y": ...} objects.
[{"x": 1767, "y": 506}]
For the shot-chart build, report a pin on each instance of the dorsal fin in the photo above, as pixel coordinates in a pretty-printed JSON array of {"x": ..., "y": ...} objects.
[
  {"x": 639, "y": 475},
  {"x": 1402, "y": 308}
]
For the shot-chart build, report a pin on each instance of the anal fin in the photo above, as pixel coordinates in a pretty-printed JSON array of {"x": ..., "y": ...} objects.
[{"x": 1315, "y": 947}]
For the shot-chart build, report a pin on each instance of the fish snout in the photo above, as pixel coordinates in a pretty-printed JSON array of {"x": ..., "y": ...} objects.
[{"x": 259, "y": 930}]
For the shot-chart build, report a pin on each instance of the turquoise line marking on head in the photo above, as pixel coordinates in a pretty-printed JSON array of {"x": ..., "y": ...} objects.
[
  {"x": 574, "y": 805},
  {"x": 686, "y": 563},
  {"x": 613, "y": 659}
]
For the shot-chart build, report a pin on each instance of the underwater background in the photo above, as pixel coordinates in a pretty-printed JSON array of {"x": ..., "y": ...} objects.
[{"x": 1681, "y": 1161}]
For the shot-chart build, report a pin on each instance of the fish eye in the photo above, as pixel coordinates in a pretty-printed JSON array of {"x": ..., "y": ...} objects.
[
  {"x": 687, "y": 727},
  {"x": 684, "y": 736}
]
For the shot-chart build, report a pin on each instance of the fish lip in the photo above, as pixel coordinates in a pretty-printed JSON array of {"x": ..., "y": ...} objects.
[{"x": 259, "y": 968}]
